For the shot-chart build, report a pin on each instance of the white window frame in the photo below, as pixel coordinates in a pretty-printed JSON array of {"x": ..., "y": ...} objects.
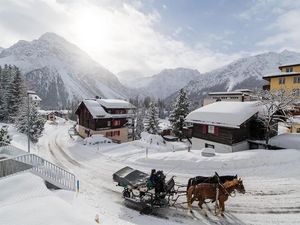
[
  {"x": 297, "y": 80},
  {"x": 281, "y": 80},
  {"x": 211, "y": 129}
]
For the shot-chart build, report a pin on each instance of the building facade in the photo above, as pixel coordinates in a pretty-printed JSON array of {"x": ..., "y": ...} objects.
[
  {"x": 225, "y": 126},
  {"x": 241, "y": 95},
  {"x": 112, "y": 118},
  {"x": 288, "y": 79}
]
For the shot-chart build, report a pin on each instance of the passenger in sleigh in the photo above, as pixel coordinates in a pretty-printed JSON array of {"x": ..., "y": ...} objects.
[{"x": 157, "y": 181}]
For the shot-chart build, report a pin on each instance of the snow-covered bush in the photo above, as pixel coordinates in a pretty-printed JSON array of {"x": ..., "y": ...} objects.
[
  {"x": 36, "y": 123},
  {"x": 152, "y": 139},
  {"x": 4, "y": 137}
]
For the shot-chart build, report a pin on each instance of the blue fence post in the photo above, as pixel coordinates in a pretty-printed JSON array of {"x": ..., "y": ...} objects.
[{"x": 77, "y": 186}]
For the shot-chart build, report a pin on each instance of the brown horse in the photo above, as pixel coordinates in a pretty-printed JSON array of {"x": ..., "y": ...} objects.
[{"x": 204, "y": 191}]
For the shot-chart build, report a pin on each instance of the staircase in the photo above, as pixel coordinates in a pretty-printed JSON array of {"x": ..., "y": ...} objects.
[{"x": 48, "y": 171}]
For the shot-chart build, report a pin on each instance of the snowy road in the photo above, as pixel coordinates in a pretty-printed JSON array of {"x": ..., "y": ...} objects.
[{"x": 273, "y": 191}]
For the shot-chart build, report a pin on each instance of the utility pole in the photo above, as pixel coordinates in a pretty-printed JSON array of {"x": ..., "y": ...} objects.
[{"x": 28, "y": 117}]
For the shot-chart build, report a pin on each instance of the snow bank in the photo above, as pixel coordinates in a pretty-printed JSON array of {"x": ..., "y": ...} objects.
[
  {"x": 287, "y": 140},
  {"x": 31, "y": 203},
  {"x": 252, "y": 159}
]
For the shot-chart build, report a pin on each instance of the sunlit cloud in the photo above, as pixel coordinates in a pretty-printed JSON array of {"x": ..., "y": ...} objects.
[{"x": 118, "y": 35}]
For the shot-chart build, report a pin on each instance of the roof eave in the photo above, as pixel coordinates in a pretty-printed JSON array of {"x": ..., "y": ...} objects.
[{"x": 214, "y": 123}]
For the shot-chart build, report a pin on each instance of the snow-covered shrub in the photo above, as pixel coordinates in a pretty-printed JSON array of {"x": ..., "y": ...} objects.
[
  {"x": 152, "y": 139},
  {"x": 36, "y": 123},
  {"x": 4, "y": 137}
]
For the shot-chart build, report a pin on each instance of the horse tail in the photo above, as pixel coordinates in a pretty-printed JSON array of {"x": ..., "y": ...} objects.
[
  {"x": 190, "y": 196},
  {"x": 189, "y": 184}
]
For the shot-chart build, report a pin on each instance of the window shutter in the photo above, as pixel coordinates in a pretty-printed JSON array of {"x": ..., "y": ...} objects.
[{"x": 216, "y": 131}]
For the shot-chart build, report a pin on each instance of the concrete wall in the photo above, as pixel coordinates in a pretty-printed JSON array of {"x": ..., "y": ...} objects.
[
  {"x": 123, "y": 137},
  {"x": 198, "y": 144}
]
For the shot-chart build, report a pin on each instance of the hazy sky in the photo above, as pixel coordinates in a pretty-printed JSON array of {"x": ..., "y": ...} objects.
[{"x": 150, "y": 35}]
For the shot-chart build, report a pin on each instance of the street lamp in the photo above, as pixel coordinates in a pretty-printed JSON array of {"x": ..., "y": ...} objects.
[{"x": 28, "y": 117}]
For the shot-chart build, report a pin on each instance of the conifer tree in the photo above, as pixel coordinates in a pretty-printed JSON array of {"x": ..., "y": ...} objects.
[
  {"x": 16, "y": 93},
  {"x": 36, "y": 122},
  {"x": 139, "y": 128},
  {"x": 4, "y": 83},
  {"x": 180, "y": 111},
  {"x": 151, "y": 123}
]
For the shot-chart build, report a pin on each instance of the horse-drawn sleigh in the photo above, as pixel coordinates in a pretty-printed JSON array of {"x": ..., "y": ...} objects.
[{"x": 147, "y": 192}]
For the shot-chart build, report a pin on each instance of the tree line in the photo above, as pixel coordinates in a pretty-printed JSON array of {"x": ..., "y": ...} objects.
[
  {"x": 150, "y": 111},
  {"x": 13, "y": 105}
]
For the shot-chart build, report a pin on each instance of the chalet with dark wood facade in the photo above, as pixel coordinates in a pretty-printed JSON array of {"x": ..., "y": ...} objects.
[
  {"x": 225, "y": 126},
  {"x": 113, "y": 118}
]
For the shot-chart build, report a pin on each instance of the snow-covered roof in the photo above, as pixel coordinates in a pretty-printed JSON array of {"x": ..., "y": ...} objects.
[
  {"x": 115, "y": 104},
  {"x": 287, "y": 140},
  {"x": 35, "y": 97},
  {"x": 281, "y": 74},
  {"x": 225, "y": 114},
  {"x": 287, "y": 65},
  {"x": 235, "y": 92},
  {"x": 227, "y": 93},
  {"x": 295, "y": 119},
  {"x": 95, "y": 108}
]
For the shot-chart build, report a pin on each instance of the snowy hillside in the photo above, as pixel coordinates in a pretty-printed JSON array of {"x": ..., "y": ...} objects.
[
  {"x": 162, "y": 84},
  {"x": 31, "y": 195},
  {"x": 59, "y": 71},
  {"x": 243, "y": 73}
]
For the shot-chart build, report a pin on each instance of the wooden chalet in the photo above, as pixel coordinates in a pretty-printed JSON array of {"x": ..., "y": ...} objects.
[
  {"x": 225, "y": 126},
  {"x": 112, "y": 118}
]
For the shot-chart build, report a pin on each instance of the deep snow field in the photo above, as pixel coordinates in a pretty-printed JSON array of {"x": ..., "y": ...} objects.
[{"x": 271, "y": 180}]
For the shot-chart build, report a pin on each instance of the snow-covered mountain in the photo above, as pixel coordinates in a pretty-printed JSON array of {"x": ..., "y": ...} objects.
[
  {"x": 162, "y": 84},
  {"x": 60, "y": 72},
  {"x": 243, "y": 73}
]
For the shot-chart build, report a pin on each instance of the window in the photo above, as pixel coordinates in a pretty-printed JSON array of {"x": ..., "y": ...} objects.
[
  {"x": 116, "y": 122},
  {"x": 209, "y": 146},
  {"x": 109, "y": 123},
  {"x": 211, "y": 129},
  {"x": 289, "y": 69},
  {"x": 296, "y": 92},
  {"x": 116, "y": 133},
  {"x": 281, "y": 80},
  {"x": 297, "y": 79},
  {"x": 298, "y": 130}
]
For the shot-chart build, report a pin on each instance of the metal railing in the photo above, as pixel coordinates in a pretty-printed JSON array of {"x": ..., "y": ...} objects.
[
  {"x": 40, "y": 167},
  {"x": 49, "y": 171}
]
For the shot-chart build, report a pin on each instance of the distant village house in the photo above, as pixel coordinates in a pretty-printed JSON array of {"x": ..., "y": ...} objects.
[
  {"x": 113, "y": 118},
  {"x": 240, "y": 95},
  {"x": 225, "y": 126}
]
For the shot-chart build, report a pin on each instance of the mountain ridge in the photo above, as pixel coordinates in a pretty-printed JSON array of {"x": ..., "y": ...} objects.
[
  {"x": 246, "y": 72},
  {"x": 60, "y": 71}
]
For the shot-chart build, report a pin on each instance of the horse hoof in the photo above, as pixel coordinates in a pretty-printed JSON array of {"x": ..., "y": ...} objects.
[
  {"x": 222, "y": 215},
  {"x": 205, "y": 215}
]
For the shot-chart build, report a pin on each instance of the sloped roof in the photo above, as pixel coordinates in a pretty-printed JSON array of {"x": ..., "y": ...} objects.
[
  {"x": 115, "y": 104},
  {"x": 284, "y": 74},
  {"x": 95, "y": 109},
  {"x": 35, "y": 97},
  {"x": 226, "y": 114}
]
